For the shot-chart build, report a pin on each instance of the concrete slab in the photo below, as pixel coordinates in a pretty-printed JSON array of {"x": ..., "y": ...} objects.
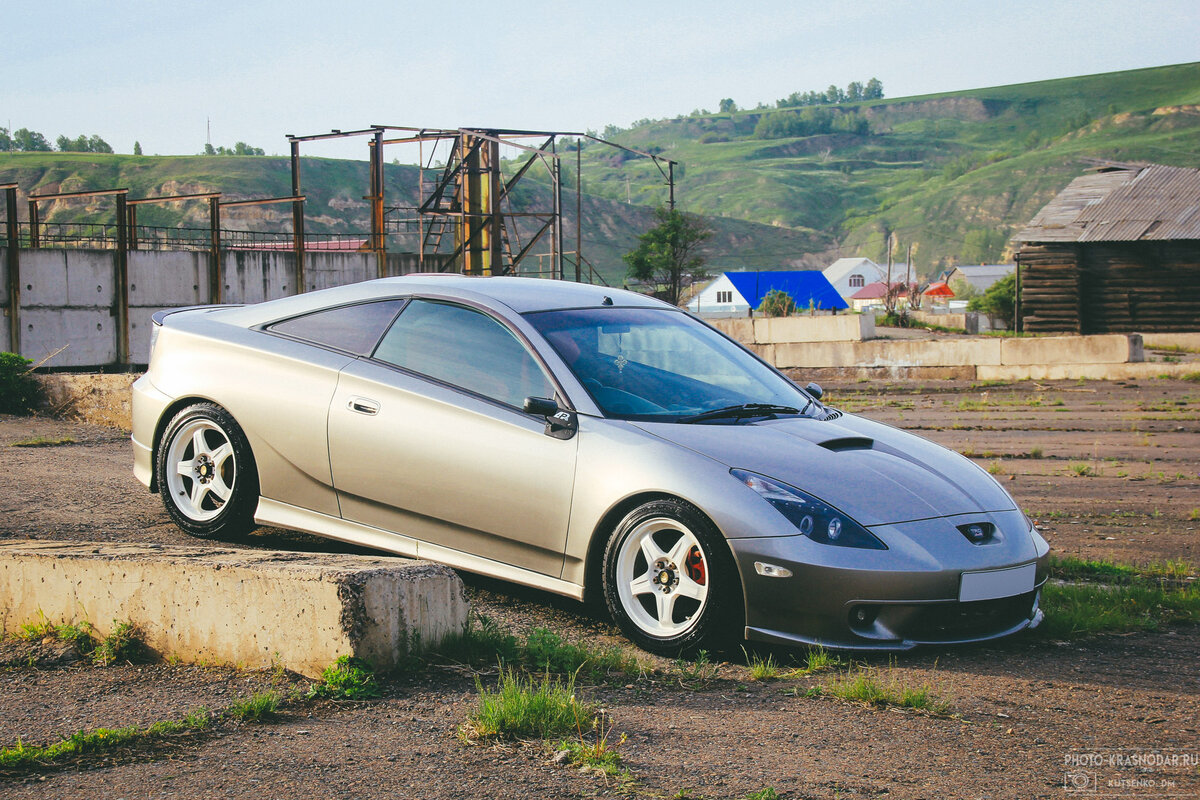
[
  {"x": 249, "y": 607},
  {"x": 1117, "y": 348},
  {"x": 1170, "y": 341}
]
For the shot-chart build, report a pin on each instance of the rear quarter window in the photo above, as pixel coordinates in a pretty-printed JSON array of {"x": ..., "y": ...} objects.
[{"x": 355, "y": 329}]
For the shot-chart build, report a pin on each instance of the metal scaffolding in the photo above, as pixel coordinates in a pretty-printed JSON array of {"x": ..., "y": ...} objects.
[{"x": 463, "y": 218}]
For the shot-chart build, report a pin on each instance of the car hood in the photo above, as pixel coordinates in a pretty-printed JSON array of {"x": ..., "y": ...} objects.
[{"x": 873, "y": 472}]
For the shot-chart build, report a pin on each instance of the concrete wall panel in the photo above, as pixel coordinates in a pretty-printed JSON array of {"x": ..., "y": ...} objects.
[
  {"x": 1117, "y": 348},
  {"x": 324, "y": 270},
  {"x": 254, "y": 276},
  {"x": 168, "y": 278},
  {"x": 44, "y": 276},
  {"x": 91, "y": 279},
  {"x": 89, "y": 336}
]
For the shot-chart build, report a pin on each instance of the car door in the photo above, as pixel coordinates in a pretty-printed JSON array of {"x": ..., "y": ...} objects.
[{"x": 428, "y": 439}]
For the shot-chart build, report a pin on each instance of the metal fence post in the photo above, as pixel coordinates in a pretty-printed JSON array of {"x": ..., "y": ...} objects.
[
  {"x": 13, "y": 253},
  {"x": 122, "y": 288},
  {"x": 215, "y": 293},
  {"x": 298, "y": 243}
]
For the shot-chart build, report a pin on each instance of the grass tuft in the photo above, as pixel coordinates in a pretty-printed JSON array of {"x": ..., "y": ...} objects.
[
  {"x": 255, "y": 708},
  {"x": 524, "y": 707},
  {"x": 122, "y": 645},
  {"x": 348, "y": 678},
  {"x": 21, "y": 756},
  {"x": 864, "y": 685},
  {"x": 43, "y": 441}
]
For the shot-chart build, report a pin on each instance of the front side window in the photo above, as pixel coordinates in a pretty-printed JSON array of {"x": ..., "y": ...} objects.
[
  {"x": 464, "y": 348},
  {"x": 354, "y": 329},
  {"x": 659, "y": 364}
]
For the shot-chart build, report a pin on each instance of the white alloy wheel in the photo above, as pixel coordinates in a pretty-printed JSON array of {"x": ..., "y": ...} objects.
[
  {"x": 201, "y": 472},
  {"x": 662, "y": 577}
]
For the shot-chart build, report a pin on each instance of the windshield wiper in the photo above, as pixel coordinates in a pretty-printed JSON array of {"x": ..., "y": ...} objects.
[{"x": 741, "y": 411}]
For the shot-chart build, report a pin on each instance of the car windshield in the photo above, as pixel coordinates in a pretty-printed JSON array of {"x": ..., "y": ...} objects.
[{"x": 658, "y": 364}]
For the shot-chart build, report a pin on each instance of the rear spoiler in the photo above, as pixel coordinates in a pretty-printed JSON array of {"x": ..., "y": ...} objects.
[{"x": 159, "y": 316}]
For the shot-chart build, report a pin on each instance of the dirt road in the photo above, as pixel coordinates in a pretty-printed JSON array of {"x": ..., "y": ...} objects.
[{"x": 1108, "y": 470}]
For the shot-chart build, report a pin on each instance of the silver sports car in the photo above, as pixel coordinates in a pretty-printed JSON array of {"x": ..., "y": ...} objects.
[{"x": 586, "y": 441}]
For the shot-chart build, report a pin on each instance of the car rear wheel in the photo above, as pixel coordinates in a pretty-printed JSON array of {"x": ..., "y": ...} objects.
[
  {"x": 669, "y": 581},
  {"x": 206, "y": 473}
]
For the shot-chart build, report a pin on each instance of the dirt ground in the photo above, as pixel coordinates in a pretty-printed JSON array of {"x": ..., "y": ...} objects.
[{"x": 1108, "y": 470}]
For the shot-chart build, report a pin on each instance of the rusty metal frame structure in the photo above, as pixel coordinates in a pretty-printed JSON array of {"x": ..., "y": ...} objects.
[
  {"x": 470, "y": 194},
  {"x": 12, "y": 252}
]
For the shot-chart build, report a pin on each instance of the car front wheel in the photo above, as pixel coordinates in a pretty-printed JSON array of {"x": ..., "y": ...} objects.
[
  {"x": 669, "y": 581},
  {"x": 206, "y": 473}
]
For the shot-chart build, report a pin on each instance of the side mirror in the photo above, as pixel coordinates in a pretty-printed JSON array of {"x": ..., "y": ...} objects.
[
  {"x": 560, "y": 422},
  {"x": 815, "y": 390},
  {"x": 540, "y": 406}
]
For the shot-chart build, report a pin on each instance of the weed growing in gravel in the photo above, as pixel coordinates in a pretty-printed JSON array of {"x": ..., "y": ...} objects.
[
  {"x": 1082, "y": 609},
  {"x": 995, "y": 468},
  {"x": 1194, "y": 514},
  {"x": 818, "y": 659},
  {"x": 863, "y": 685},
  {"x": 348, "y": 678},
  {"x": 256, "y": 707},
  {"x": 1194, "y": 377},
  {"x": 1173, "y": 571},
  {"x": 761, "y": 670},
  {"x": 768, "y": 793},
  {"x": 483, "y": 641},
  {"x": 78, "y": 633},
  {"x": 1081, "y": 469},
  {"x": 695, "y": 675},
  {"x": 593, "y": 750},
  {"x": 123, "y": 644},
  {"x": 524, "y": 707},
  {"x": 43, "y": 441},
  {"x": 100, "y": 740}
]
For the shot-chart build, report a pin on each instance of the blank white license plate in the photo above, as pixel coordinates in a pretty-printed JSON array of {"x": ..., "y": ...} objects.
[{"x": 997, "y": 583}]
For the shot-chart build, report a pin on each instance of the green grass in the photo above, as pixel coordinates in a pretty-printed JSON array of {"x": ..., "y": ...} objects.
[
  {"x": 1194, "y": 377},
  {"x": 866, "y": 685},
  {"x": 348, "y": 678},
  {"x": 526, "y": 707},
  {"x": 482, "y": 642},
  {"x": 1107, "y": 597},
  {"x": 43, "y": 441},
  {"x": 592, "y": 750},
  {"x": 101, "y": 740},
  {"x": 816, "y": 659},
  {"x": 122, "y": 645},
  {"x": 768, "y": 793},
  {"x": 257, "y": 707}
]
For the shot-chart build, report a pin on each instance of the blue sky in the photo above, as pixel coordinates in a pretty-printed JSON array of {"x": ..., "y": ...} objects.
[{"x": 156, "y": 71}]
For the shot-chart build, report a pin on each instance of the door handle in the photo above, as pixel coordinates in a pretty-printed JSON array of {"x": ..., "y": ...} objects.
[{"x": 363, "y": 405}]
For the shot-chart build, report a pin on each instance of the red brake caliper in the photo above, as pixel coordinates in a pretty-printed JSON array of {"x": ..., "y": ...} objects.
[{"x": 695, "y": 565}]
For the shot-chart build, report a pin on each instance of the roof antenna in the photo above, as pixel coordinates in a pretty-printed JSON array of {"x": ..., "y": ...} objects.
[{"x": 607, "y": 301}]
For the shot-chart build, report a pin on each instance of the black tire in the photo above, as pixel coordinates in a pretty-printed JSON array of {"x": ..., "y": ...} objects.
[
  {"x": 691, "y": 557},
  {"x": 218, "y": 496}
]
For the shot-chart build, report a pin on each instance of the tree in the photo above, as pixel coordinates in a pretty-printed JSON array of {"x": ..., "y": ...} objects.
[
  {"x": 137, "y": 148},
  {"x": 777, "y": 303},
  {"x": 727, "y": 106},
  {"x": 999, "y": 300},
  {"x": 854, "y": 92},
  {"x": 30, "y": 141},
  {"x": 6, "y": 142},
  {"x": 873, "y": 90},
  {"x": 668, "y": 254}
]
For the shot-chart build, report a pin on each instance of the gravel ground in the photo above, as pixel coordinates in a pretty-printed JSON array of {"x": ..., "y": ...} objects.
[{"x": 1020, "y": 710}]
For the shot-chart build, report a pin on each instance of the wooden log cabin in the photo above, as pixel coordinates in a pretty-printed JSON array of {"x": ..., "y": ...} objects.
[{"x": 1117, "y": 251}]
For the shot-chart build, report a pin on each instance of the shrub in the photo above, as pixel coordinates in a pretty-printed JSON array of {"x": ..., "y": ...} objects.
[
  {"x": 777, "y": 303},
  {"x": 19, "y": 390}
]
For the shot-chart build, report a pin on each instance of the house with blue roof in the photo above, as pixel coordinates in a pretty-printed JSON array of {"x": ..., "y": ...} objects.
[{"x": 733, "y": 294}]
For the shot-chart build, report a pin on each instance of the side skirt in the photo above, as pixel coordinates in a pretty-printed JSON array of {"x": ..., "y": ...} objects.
[{"x": 284, "y": 515}]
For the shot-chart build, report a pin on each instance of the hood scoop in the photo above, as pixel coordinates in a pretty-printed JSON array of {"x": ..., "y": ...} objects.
[{"x": 847, "y": 443}]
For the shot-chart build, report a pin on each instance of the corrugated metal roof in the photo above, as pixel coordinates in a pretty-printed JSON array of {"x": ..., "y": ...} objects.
[
  {"x": 807, "y": 287},
  {"x": 1129, "y": 203}
]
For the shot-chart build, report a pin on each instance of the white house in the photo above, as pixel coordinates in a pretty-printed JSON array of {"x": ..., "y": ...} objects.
[
  {"x": 849, "y": 275},
  {"x": 733, "y": 294}
]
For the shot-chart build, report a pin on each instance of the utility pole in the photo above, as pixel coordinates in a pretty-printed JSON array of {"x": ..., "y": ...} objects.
[
  {"x": 907, "y": 274},
  {"x": 889, "y": 300}
]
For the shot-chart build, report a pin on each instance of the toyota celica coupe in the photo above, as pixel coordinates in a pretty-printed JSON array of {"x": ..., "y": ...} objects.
[{"x": 586, "y": 441}]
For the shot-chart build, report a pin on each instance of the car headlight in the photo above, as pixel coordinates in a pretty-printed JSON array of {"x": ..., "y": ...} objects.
[{"x": 814, "y": 518}]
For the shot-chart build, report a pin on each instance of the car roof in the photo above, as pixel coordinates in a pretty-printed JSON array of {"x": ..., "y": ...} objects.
[{"x": 522, "y": 295}]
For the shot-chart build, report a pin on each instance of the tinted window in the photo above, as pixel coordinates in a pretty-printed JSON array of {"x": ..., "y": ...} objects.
[
  {"x": 465, "y": 348},
  {"x": 352, "y": 328}
]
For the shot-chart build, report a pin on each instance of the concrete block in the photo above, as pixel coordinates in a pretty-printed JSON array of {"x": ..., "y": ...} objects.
[
  {"x": 1098, "y": 372},
  {"x": 44, "y": 277},
  {"x": 168, "y": 278},
  {"x": 947, "y": 353},
  {"x": 825, "y": 328},
  {"x": 740, "y": 329},
  {"x": 1158, "y": 341},
  {"x": 252, "y": 276},
  {"x": 91, "y": 279},
  {"x": 250, "y": 607},
  {"x": 89, "y": 335},
  {"x": 1116, "y": 348}
]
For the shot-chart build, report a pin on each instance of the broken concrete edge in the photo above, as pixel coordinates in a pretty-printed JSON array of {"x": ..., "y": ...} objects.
[
  {"x": 1005, "y": 374},
  {"x": 251, "y": 608}
]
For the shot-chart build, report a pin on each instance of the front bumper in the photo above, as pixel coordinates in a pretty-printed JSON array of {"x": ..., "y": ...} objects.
[{"x": 891, "y": 599}]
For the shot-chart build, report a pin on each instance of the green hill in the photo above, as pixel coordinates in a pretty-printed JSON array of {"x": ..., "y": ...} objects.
[
  {"x": 955, "y": 173},
  {"x": 334, "y": 203}
]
